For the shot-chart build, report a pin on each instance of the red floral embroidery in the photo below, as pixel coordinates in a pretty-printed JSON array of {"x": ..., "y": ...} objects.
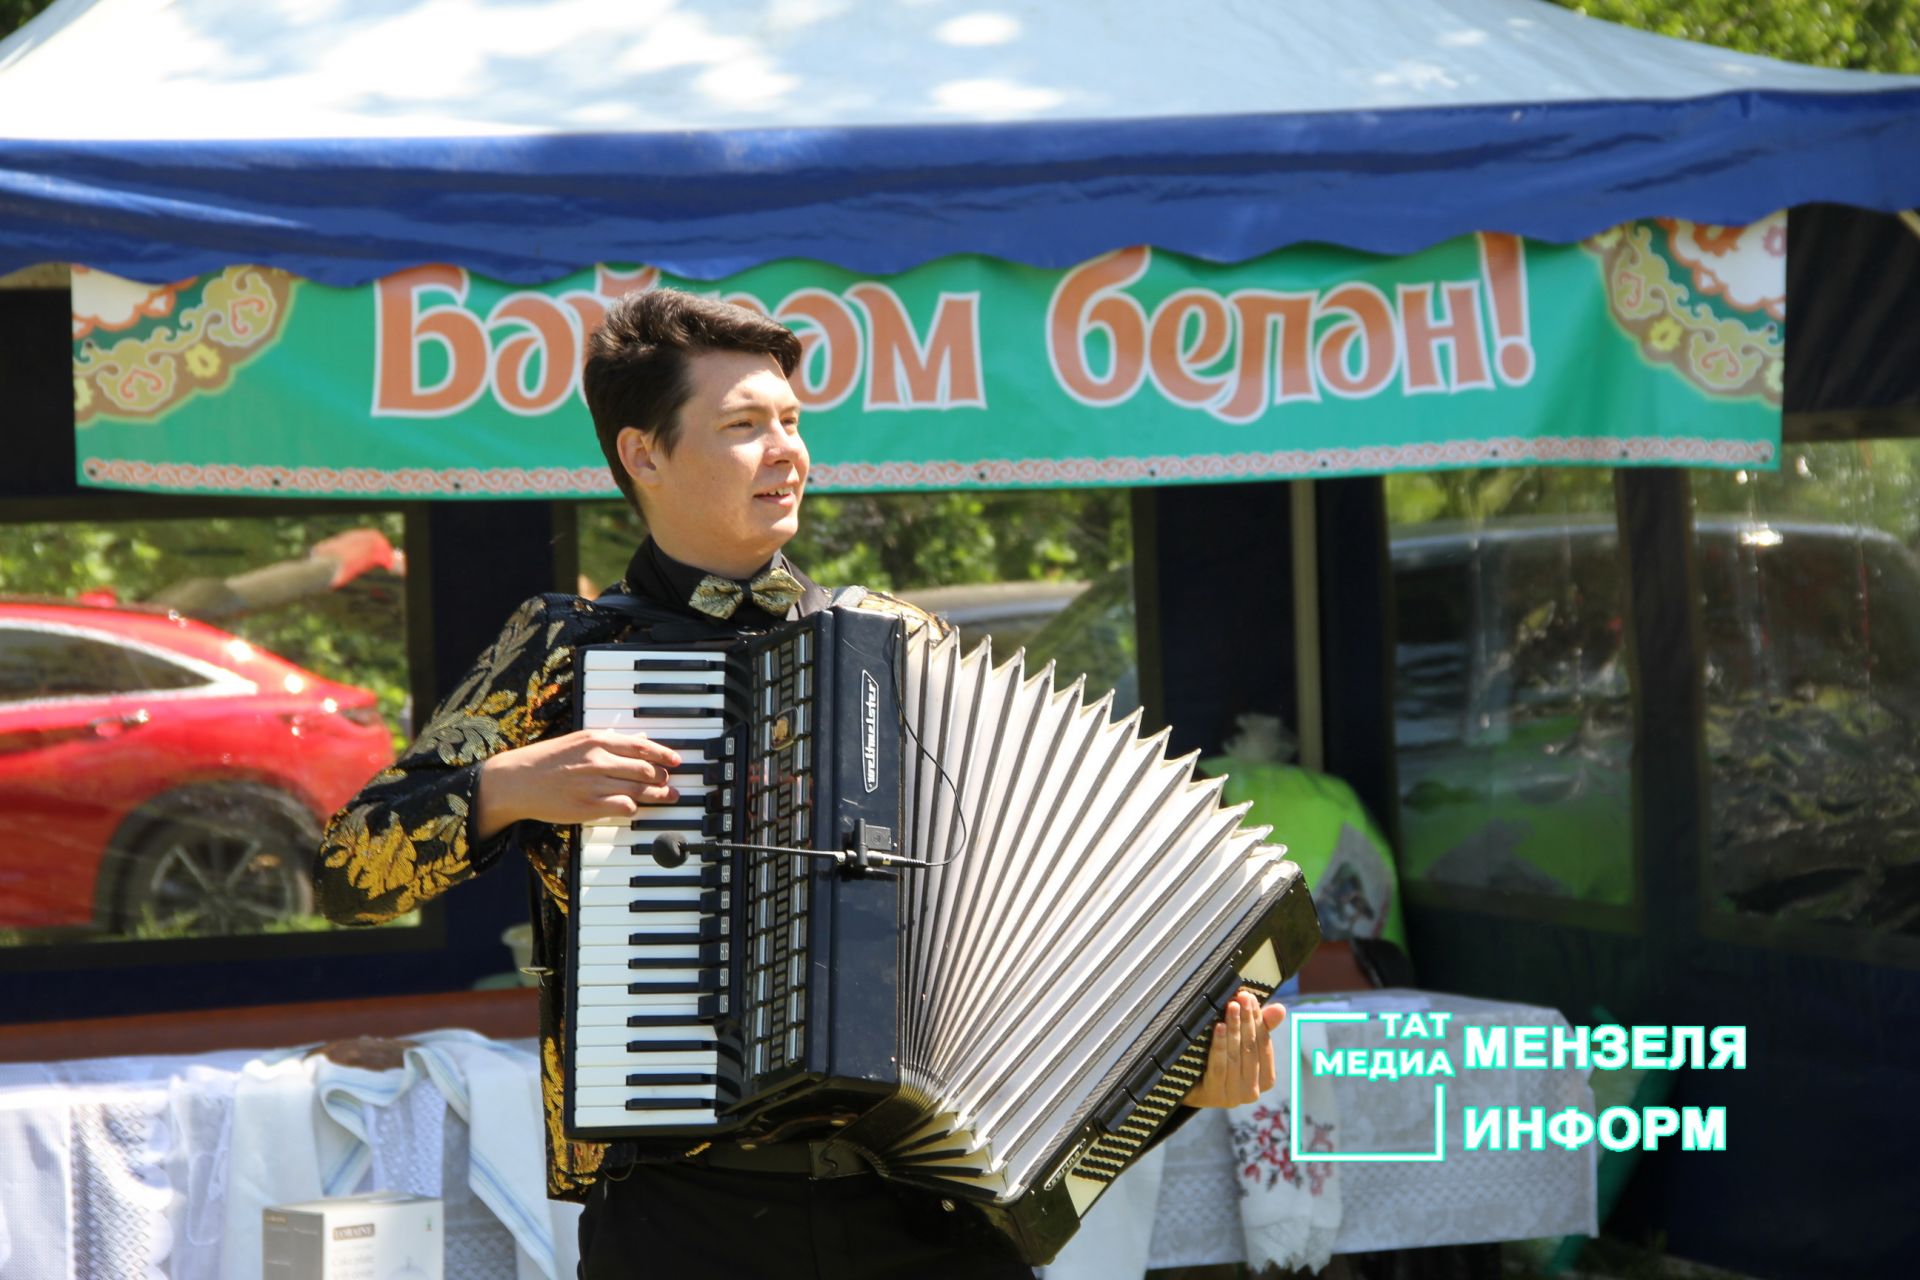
[{"x": 1263, "y": 1145}]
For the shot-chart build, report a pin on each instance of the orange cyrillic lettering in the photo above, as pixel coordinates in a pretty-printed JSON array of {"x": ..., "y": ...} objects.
[{"x": 401, "y": 326}]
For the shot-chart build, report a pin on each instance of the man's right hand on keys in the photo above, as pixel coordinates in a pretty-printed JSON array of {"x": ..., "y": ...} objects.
[{"x": 589, "y": 775}]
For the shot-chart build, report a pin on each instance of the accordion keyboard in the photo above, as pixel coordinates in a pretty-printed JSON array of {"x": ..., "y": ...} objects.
[{"x": 651, "y": 977}]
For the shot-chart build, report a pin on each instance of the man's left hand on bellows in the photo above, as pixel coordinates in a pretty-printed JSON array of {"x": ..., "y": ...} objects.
[{"x": 1240, "y": 1057}]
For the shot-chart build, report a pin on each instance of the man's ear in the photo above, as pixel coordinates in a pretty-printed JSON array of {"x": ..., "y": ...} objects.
[{"x": 636, "y": 451}]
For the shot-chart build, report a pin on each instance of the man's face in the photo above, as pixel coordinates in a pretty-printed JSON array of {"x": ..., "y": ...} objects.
[{"x": 728, "y": 496}]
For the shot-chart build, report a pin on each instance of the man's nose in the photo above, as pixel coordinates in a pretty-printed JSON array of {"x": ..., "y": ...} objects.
[{"x": 783, "y": 444}]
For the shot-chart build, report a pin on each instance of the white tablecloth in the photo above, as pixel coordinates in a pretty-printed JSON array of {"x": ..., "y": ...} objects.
[
  {"x": 1470, "y": 1197},
  {"x": 139, "y": 1168}
]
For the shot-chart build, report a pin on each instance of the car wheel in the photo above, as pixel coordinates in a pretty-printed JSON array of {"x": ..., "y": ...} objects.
[{"x": 218, "y": 861}]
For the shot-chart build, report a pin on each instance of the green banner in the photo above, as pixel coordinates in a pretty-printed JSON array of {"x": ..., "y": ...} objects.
[{"x": 1652, "y": 343}]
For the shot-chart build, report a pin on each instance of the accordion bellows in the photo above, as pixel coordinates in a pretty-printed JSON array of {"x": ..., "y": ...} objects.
[{"x": 1088, "y": 871}]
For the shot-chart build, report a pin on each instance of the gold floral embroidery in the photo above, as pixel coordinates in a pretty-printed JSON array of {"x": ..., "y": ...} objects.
[
  {"x": 574, "y": 1164},
  {"x": 469, "y": 733}
]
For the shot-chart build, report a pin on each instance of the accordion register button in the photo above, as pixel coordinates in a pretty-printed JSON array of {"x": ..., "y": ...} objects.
[
  {"x": 1116, "y": 1111},
  {"x": 1141, "y": 1080},
  {"x": 1224, "y": 984}
]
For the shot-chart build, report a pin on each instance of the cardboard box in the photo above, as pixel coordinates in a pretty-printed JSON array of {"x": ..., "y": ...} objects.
[{"x": 379, "y": 1235}]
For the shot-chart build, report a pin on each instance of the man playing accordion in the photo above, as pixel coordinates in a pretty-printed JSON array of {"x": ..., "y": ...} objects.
[{"x": 691, "y": 403}]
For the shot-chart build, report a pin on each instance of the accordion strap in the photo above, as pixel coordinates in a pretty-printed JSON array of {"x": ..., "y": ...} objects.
[{"x": 659, "y": 622}]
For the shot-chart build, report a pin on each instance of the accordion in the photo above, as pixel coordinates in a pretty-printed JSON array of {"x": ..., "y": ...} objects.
[{"x": 893, "y": 874}]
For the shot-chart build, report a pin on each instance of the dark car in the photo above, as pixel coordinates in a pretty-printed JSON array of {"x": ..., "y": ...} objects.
[{"x": 1514, "y": 726}]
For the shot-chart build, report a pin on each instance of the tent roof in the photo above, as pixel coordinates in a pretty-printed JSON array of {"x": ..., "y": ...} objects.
[{"x": 526, "y": 138}]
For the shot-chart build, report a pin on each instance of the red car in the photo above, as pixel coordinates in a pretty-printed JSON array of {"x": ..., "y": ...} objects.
[{"x": 159, "y": 772}]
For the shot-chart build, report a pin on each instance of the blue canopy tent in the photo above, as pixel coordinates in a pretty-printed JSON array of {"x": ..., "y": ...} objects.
[{"x": 523, "y": 139}]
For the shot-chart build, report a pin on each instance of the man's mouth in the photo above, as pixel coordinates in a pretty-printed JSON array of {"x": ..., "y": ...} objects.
[{"x": 780, "y": 493}]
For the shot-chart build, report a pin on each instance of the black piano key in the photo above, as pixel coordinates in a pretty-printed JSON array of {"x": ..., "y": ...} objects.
[
  {"x": 709, "y": 931},
  {"x": 673, "y": 1046},
  {"x": 695, "y": 687},
  {"x": 706, "y": 904},
  {"x": 707, "y": 1010},
  {"x": 673, "y": 664},
  {"x": 669, "y": 1104},
  {"x": 709, "y": 980},
  {"x": 706, "y": 955},
  {"x": 655, "y": 824},
  {"x": 718, "y": 1047},
  {"x": 712, "y": 746},
  {"x": 671, "y": 1077},
  {"x": 706, "y": 878},
  {"x": 674, "y": 713}
]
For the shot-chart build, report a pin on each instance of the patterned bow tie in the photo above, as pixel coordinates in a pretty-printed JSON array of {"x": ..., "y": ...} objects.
[{"x": 776, "y": 591}]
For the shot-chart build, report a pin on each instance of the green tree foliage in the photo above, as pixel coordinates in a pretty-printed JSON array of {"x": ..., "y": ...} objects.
[
  {"x": 355, "y": 635},
  {"x": 14, "y": 13},
  {"x": 896, "y": 542},
  {"x": 1860, "y": 35}
]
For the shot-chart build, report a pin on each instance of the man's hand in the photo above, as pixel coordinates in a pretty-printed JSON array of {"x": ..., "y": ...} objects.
[
  {"x": 1240, "y": 1059},
  {"x": 587, "y": 776}
]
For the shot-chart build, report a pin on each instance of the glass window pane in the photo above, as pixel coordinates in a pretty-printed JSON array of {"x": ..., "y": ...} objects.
[
  {"x": 183, "y": 703},
  {"x": 1511, "y": 712},
  {"x": 1810, "y": 597}
]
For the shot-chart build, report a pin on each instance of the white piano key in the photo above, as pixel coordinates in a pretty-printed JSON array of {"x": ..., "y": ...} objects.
[
  {"x": 627, "y": 678},
  {"x": 702, "y": 976},
  {"x": 586, "y": 1079},
  {"x": 620, "y": 893},
  {"x": 616, "y": 1057},
  {"x": 686, "y": 922},
  {"x": 624, "y": 836},
  {"x": 616, "y": 1095},
  {"x": 623, "y": 872},
  {"x": 611, "y": 935},
  {"x": 652, "y": 726},
  {"x": 601, "y": 985},
  {"x": 618, "y": 1117},
  {"x": 692, "y": 1031},
  {"x": 690, "y": 814},
  {"x": 601, "y": 897},
  {"x": 611, "y": 700},
  {"x": 609, "y": 1041},
  {"x": 631, "y": 861},
  {"x": 624, "y": 659},
  {"x": 613, "y": 1016}
]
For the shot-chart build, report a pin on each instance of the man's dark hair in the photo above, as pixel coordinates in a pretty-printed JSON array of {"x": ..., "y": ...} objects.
[{"x": 636, "y": 371}]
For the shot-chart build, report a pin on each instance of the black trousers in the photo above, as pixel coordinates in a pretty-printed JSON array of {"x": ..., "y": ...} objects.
[{"x": 684, "y": 1222}]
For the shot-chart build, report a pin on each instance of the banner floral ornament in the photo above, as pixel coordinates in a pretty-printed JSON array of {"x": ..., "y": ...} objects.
[
  {"x": 1707, "y": 301},
  {"x": 173, "y": 342}
]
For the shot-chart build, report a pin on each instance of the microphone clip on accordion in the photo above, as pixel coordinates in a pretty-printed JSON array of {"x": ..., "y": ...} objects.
[
  {"x": 869, "y": 848},
  {"x": 747, "y": 964}
]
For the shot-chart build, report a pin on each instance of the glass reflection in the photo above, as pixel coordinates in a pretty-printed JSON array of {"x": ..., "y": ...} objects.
[
  {"x": 1512, "y": 717},
  {"x": 181, "y": 706},
  {"x": 1810, "y": 603}
]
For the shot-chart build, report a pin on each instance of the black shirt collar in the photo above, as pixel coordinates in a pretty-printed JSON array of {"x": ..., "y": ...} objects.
[{"x": 654, "y": 575}]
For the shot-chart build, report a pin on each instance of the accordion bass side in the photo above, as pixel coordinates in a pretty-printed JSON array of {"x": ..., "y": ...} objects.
[{"x": 992, "y": 855}]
